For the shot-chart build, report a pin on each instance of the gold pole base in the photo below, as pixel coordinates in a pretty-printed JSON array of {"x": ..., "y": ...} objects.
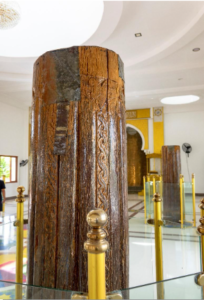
[{"x": 114, "y": 295}]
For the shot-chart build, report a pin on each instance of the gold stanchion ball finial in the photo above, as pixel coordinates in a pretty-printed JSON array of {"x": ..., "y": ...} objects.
[
  {"x": 97, "y": 218},
  {"x": 193, "y": 175},
  {"x": 200, "y": 228},
  {"x": 156, "y": 198},
  {"x": 96, "y": 242},
  {"x": 20, "y": 197}
]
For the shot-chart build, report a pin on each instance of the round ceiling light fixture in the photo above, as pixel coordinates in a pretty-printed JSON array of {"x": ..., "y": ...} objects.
[
  {"x": 51, "y": 24},
  {"x": 176, "y": 100},
  {"x": 9, "y": 14},
  {"x": 196, "y": 49}
]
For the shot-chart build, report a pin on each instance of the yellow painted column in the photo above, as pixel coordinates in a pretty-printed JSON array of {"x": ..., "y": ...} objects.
[
  {"x": 96, "y": 246},
  {"x": 158, "y": 129}
]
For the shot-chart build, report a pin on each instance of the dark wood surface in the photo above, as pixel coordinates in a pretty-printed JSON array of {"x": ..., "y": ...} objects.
[
  {"x": 171, "y": 167},
  {"x": 78, "y": 146}
]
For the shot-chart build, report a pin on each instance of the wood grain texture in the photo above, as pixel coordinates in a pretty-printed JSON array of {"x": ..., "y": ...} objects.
[
  {"x": 171, "y": 169},
  {"x": 79, "y": 163}
]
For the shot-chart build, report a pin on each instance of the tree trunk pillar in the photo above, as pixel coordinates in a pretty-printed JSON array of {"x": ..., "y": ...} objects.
[
  {"x": 78, "y": 146},
  {"x": 171, "y": 167}
]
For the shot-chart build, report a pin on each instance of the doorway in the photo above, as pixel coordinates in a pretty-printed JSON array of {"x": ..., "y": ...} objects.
[{"x": 136, "y": 161}]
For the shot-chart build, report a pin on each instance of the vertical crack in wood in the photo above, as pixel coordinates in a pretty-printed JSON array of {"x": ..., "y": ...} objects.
[{"x": 57, "y": 216}]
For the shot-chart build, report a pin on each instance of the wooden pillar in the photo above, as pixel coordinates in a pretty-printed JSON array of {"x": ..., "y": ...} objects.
[
  {"x": 78, "y": 149},
  {"x": 171, "y": 167}
]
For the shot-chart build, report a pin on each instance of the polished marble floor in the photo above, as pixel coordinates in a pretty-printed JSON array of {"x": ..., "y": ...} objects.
[{"x": 181, "y": 247}]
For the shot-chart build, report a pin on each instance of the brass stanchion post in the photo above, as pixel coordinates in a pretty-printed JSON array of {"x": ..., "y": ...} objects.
[
  {"x": 19, "y": 240},
  {"x": 201, "y": 231},
  {"x": 158, "y": 244},
  {"x": 200, "y": 277},
  {"x": 149, "y": 192},
  {"x": 158, "y": 237},
  {"x": 145, "y": 206},
  {"x": 193, "y": 198},
  {"x": 96, "y": 246},
  {"x": 181, "y": 199}
]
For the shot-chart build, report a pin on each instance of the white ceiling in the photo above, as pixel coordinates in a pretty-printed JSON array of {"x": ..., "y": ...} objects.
[
  {"x": 49, "y": 24},
  {"x": 161, "y": 63}
]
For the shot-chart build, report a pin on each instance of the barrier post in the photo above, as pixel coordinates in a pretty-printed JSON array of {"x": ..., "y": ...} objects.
[
  {"x": 193, "y": 198},
  {"x": 19, "y": 240},
  {"x": 158, "y": 237},
  {"x": 181, "y": 199},
  {"x": 200, "y": 229},
  {"x": 158, "y": 244},
  {"x": 145, "y": 206},
  {"x": 149, "y": 193},
  {"x": 96, "y": 246}
]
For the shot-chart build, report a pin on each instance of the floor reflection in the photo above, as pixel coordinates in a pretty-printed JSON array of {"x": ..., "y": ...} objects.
[{"x": 181, "y": 253}]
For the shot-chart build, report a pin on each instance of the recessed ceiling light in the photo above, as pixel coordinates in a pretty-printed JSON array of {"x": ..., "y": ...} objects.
[
  {"x": 180, "y": 99},
  {"x": 196, "y": 49},
  {"x": 138, "y": 34}
]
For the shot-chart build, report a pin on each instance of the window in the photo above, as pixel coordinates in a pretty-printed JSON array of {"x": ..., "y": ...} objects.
[{"x": 8, "y": 168}]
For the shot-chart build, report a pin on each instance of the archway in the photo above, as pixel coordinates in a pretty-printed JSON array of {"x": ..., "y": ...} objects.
[{"x": 136, "y": 159}]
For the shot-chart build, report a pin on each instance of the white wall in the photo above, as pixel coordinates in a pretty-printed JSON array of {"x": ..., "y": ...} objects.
[
  {"x": 187, "y": 127},
  {"x": 14, "y": 141}
]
